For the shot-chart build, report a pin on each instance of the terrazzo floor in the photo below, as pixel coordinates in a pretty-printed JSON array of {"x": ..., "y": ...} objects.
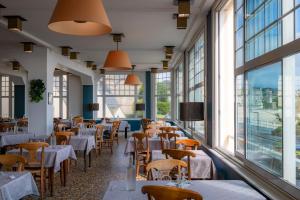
[{"x": 93, "y": 183}]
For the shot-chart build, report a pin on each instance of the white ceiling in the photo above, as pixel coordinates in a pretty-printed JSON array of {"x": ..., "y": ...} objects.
[{"x": 147, "y": 24}]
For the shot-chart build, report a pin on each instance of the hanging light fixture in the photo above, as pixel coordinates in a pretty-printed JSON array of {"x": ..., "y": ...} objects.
[
  {"x": 132, "y": 79},
  {"x": 181, "y": 21},
  {"x": 73, "y": 55},
  {"x": 184, "y": 8},
  {"x": 94, "y": 67},
  {"x": 89, "y": 64},
  {"x": 117, "y": 59},
  {"x": 102, "y": 71},
  {"x": 165, "y": 64},
  {"x": 15, "y": 65},
  {"x": 80, "y": 17},
  {"x": 169, "y": 50},
  {"x": 28, "y": 46},
  {"x": 14, "y": 22},
  {"x": 65, "y": 50},
  {"x": 154, "y": 70}
]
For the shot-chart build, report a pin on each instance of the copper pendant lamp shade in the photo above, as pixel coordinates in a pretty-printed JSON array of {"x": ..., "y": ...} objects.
[
  {"x": 117, "y": 60},
  {"x": 80, "y": 17},
  {"x": 132, "y": 79}
]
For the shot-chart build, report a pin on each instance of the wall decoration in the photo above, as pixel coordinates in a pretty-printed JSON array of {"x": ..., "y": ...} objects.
[{"x": 37, "y": 89}]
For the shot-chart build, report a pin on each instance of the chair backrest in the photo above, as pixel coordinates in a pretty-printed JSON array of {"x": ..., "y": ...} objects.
[
  {"x": 99, "y": 133},
  {"x": 6, "y": 127},
  {"x": 167, "y": 136},
  {"x": 141, "y": 142},
  {"x": 60, "y": 127},
  {"x": 9, "y": 161},
  {"x": 189, "y": 144},
  {"x": 65, "y": 135},
  {"x": 161, "y": 169},
  {"x": 23, "y": 122},
  {"x": 145, "y": 123},
  {"x": 168, "y": 129},
  {"x": 171, "y": 193},
  {"x": 76, "y": 120},
  {"x": 32, "y": 149},
  {"x": 114, "y": 129}
]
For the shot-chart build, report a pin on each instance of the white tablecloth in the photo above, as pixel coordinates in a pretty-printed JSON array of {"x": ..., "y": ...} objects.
[
  {"x": 54, "y": 155},
  {"x": 9, "y": 138},
  {"x": 83, "y": 143},
  {"x": 202, "y": 166},
  {"x": 154, "y": 144},
  {"x": 209, "y": 189},
  {"x": 92, "y": 131},
  {"x": 18, "y": 187}
]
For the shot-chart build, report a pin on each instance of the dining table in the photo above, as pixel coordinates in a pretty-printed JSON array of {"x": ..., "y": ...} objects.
[
  {"x": 85, "y": 144},
  {"x": 13, "y": 138},
  {"x": 56, "y": 156},
  {"x": 209, "y": 189},
  {"x": 16, "y": 185},
  {"x": 202, "y": 166}
]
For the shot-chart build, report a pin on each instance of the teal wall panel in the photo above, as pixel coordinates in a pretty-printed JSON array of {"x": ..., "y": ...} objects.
[
  {"x": 19, "y": 101},
  {"x": 148, "y": 95},
  {"x": 87, "y": 99}
]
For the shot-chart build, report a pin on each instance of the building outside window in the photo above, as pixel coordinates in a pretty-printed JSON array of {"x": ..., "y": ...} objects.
[
  {"x": 179, "y": 89},
  {"x": 196, "y": 81},
  {"x": 7, "y": 97},
  {"x": 117, "y": 100},
  {"x": 163, "y": 95},
  {"x": 60, "y": 96},
  {"x": 267, "y": 95}
]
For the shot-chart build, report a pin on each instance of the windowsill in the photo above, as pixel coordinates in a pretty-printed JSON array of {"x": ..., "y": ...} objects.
[{"x": 259, "y": 183}]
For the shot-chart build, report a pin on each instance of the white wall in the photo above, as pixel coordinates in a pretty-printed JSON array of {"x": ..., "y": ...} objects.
[{"x": 75, "y": 96}]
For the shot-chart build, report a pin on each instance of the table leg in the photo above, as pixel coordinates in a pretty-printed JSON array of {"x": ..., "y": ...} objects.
[
  {"x": 51, "y": 179},
  {"x": 65, "y": 171},
  {"x": 126, "y": 131},
  {"x": 84, "y": 157},
  {"x": 90, "y": 158}
]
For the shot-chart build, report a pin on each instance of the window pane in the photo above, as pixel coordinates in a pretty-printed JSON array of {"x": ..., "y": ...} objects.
[
  {"x": 288, "y": 27},
  {"x": 272, "y": 38},
  {"x": 297, "y": 23},
  {"x": 239, "y": 57},
  {"x": 5, "y": 107},
  {"x": 239, "y": 113},
  {"x": 56, "y": 107},
  {"x": 120, "y": 107},
  {"x": 287, "y": 5},
  {"x": 239, "y": 38},
  {"x": 264, "y": 118},
  {"x": 163, "y": 107},
  {"x": 271, "y": 11},
  {"x": 249, "y": 50},
  {"x": 238, "y": 3},
  {"x": 239, "y": 18},
  {"x": 259, "y": 44}
]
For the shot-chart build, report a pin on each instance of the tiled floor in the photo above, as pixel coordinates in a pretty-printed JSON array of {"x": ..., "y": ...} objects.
[{"x": 93, "y": 183}]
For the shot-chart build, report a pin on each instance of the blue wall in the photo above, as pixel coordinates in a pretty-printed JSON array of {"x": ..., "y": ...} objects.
[
  {"x": 148, "y": 95},
  {"x": 135, "y": 125},
  {"x": 87, "y": 99},
  {"x": 19, "y": 101}
]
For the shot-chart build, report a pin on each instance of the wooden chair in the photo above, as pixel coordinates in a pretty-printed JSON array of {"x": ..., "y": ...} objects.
[
  {"x": 98, "y": 138},
  {"x": 60, "y": 127},
  {"x": 168, "y": 129},
  {"x": 161, "y": 169},
  {"x": 6, "y": 127},
  {"x": 63, "y": 138},
  {"x": 107, "y": 143},
  {"x": 34, "y": 164},
  {"x": 179, "y": 155},
  {"x": 145, "y": 123},
  {"x": 156, "y": 192},
  {"x": 141, "y": 149},
  {"x": 77, "y": 120},
  {"x": 189, "y": 144},
  {"x": 169, "y": 137},
  {"x": 11, "y": 161},
  {"x": 117, "y": 124}
]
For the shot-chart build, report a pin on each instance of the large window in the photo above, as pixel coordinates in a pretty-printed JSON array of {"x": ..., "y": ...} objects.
[
  {"x": 116, "y": 99},
  {"x": 267, "y": 95},
  {"x": 7, "y": 97},
  {"x": 196, "y": 82},
  {"x": 163, "y": 95},
  {"x": 179, "y": 89},
  {"x": 60, "y": 96}
]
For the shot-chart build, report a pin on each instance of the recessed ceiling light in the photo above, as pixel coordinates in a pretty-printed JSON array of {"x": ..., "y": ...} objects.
[
  {"x": 28, "y": 47},
  {"x": 14, "y": 22},
  {"x": 73, "y": 55},
  {"x": 65, "y": 50}
]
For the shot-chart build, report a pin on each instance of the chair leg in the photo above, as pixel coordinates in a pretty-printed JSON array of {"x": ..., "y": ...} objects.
[{"x": 137, "y": 168}]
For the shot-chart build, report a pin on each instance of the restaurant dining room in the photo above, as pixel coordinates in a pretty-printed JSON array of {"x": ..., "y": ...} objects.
[{"x": 150, "y": 99}]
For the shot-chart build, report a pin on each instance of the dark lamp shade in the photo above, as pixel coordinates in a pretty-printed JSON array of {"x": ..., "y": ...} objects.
[
  {"x": 192, "y": 111},
  {"x": 94, "y": 106},
  {"x": 140, "y": 107}
]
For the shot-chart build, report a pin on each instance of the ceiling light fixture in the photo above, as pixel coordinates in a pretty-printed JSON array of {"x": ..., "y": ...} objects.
[
  {"x": 14, "y": 22},
  {"x": 117, "y": 59},
  {"x": 165, "y": 64},
  {"x": 89, "y": 64},
  {"x": 132, "y": 79},
  {"x": 65, "y": 50},
  {"x": 28, "y": 46},
  {"x": 184, "y": 8},
  {"x": 102, "y": 71},
  {"x": 73, "y": 55},
  {"x": 15, "y": 65},
  {"x": 80, "y": 17},
  {"x": 181, "y": 21}
]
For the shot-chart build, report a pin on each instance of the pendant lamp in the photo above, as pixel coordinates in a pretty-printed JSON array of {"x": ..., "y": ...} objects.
[
  {"x": 132, "y": 79},
  {"x": 80, "y": 17},
  {"x": 117, "y": 59}
]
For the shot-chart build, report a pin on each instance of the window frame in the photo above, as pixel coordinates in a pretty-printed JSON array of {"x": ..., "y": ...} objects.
[
  {"x": 10, "y": 96},
  {"x": 61, "y": 95}
]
